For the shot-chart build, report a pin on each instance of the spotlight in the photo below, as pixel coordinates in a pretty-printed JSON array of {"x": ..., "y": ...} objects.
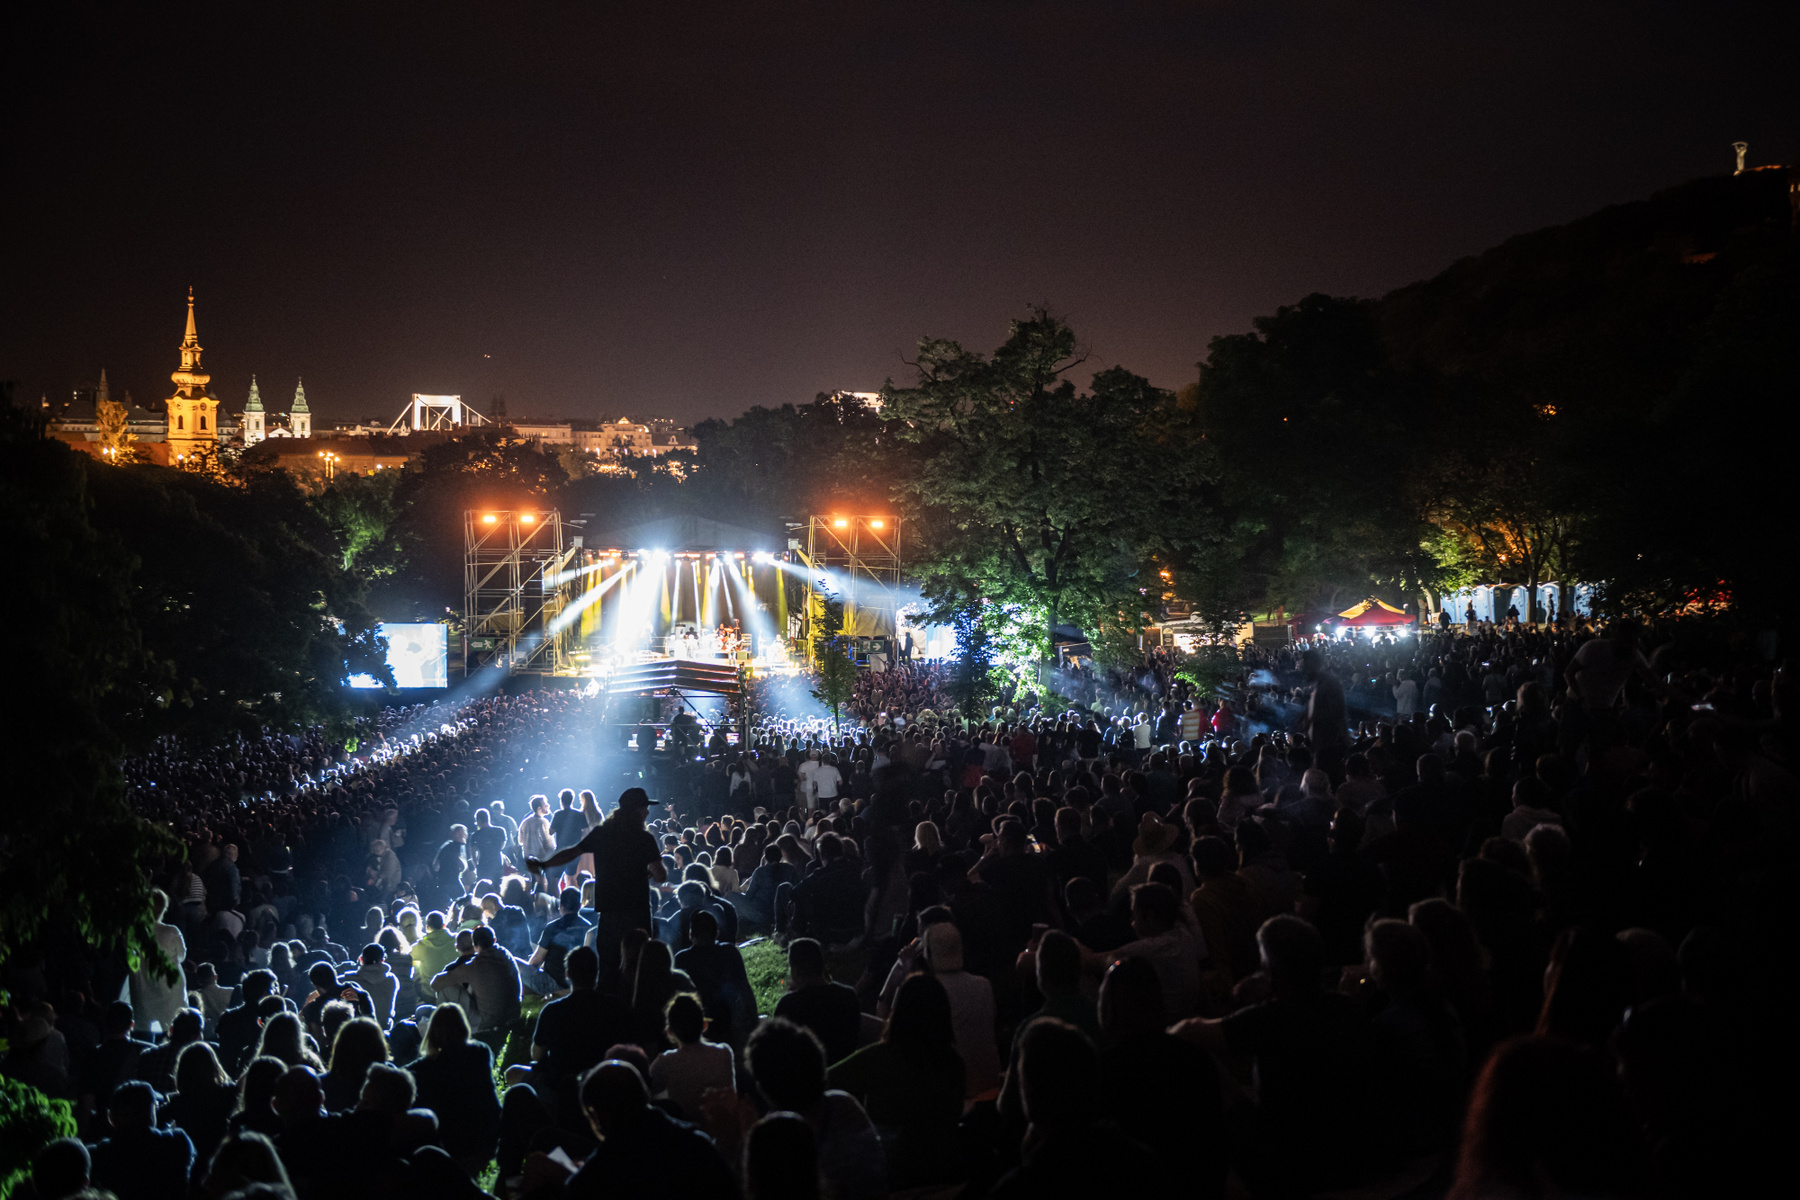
[
  {"x": 527, "y": 519},
  {"x": 842, "y": 523},
  {"x": 488, "y": 519},
  {"x": 877, "y": 523}
]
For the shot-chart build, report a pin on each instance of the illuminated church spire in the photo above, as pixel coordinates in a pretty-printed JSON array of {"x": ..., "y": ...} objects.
[
  {"x": 190, "y": 345},
  {"x": 254, "y": 429},
  {"x": 193, "y": 411},
  {"x": 300, "y": 416}
]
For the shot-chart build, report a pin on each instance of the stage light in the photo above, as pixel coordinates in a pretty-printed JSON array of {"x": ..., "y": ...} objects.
[
  {"x": 877, "y": 523},
  {"x": 526, "y": 519},
  {"x": 489, "y": 519},
  {"x": 841, "y": 523}
]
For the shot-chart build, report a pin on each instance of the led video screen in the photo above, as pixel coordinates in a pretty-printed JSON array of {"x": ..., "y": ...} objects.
[{"x": 418, "y": 654}]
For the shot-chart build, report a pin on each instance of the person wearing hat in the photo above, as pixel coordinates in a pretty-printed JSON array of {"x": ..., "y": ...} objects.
[
  {"x": 1155, "y": 843},
  {"x": 627, "y": 861}
]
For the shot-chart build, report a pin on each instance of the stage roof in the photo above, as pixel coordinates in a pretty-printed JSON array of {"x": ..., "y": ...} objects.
[{"x": 681, "y": 534}]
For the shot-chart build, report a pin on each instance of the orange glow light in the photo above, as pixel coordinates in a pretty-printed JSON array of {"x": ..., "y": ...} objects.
[
  {"x": 877, "y": 523},
  {"x": 489, "y": 519},
  {"x": 841, "y": 522},
  {"x": 526, "y": 519}
]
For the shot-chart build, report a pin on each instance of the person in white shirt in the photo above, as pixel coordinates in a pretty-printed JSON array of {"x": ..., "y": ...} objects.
[
  {"x": 971, "y": 1009},
  {"x": 826, "y": 780},
  {"x": 1406, "y": 697},
  {"x": 1142, "y": 732},
  {"x": 534, "y": 831},
  {"x": 805, "y": 785}
]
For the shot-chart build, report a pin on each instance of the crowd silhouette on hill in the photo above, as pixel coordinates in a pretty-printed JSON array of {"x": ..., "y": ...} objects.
[{"x": 1484, "y": 913}]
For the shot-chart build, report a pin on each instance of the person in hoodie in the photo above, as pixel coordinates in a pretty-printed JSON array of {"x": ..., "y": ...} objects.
[{"x": 435, "y": 951}]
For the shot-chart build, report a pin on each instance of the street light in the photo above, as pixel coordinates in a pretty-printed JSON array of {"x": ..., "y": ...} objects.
[{"x": 331, "y": 461}]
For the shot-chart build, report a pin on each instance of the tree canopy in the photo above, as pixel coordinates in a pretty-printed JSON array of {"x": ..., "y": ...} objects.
[{"x": 1029, "y": 491}]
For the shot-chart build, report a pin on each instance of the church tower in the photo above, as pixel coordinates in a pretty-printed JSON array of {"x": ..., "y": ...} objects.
[
  {"x": 300, "y": 416},
  {"x": 253, "y": 416},
  {"x": 193, "y": 412}
]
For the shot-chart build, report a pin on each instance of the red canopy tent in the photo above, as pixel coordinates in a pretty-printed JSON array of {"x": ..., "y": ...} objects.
[{"x": 1372, "y": 614}]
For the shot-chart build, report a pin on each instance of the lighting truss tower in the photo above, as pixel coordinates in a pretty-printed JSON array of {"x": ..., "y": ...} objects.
[
  {"x": 513, "y": 564},
  {"x": 860, "y": 556}
]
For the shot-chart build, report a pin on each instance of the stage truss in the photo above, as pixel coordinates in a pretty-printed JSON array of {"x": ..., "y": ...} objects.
[
  {"x": 856, "y": 560},
  {"x": 508, "y": 606}
]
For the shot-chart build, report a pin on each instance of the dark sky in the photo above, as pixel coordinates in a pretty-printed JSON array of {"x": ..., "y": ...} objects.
[{"x": 684, "y": 209}]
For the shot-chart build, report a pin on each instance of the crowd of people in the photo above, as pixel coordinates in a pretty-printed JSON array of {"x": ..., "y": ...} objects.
[
  {"x": 1510, "y": 931},
  {"x": 904, "y": 687}
]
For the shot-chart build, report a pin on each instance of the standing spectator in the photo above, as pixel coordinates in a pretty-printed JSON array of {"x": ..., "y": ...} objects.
[
  {"x": 535, "y": 837},
  {"x": 223, "y": 883},
  {"x": 155, "y": 999},
  {"x": 488, "y": 841},
  {"x": 627, "y": 861}
]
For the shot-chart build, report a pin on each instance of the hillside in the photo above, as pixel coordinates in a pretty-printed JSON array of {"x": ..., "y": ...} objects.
[{"x": 1602, "y": 314}]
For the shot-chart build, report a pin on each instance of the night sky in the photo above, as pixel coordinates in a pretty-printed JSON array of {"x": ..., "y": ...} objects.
[{"x": 685, "y": 209}]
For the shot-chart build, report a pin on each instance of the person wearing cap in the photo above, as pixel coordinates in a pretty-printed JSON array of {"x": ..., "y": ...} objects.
[{"x": 627, "y": 861}]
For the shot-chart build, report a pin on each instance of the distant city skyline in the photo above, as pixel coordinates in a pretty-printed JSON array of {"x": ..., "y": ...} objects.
[{"x": 602, "y": 211}]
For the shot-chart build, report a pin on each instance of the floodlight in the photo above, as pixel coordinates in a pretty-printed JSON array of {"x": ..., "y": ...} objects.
[
  {"x": 841, "y": 522},
  {"x": 876, "y": 523},
  {"x": 526, "y": 519},
  {"x": 489, "y": 519}
]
